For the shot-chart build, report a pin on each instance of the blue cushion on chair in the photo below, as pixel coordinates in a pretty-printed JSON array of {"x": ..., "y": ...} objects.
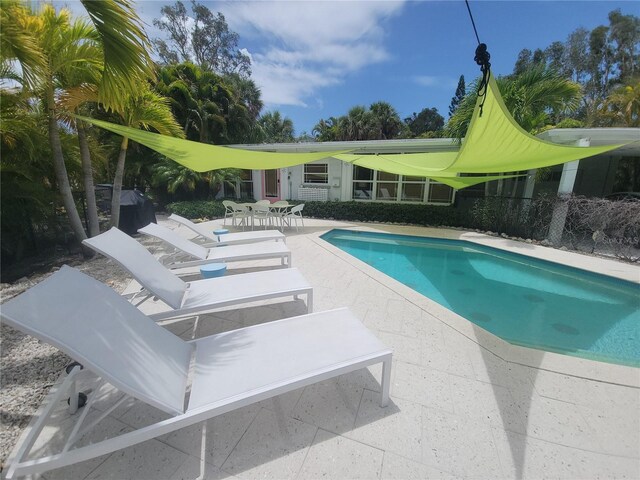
[{"x": 212, "y": 270}]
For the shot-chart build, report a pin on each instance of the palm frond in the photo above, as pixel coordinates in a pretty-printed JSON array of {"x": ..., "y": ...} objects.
[
  {"x": 17, "y": 42},
  {"x": 126, "y": 48}
]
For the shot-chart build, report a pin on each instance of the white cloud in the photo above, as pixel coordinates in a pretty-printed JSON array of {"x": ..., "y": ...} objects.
[{"x": 307, "y": 45}]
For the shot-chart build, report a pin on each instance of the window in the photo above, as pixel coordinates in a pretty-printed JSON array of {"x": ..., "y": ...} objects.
[
  {"x": 244, "y": 187},
  {"x": 362, "y": 183},
  {"x": 413, "y": 189},
  {"x": 440, "y": 193},
  {"x": 387, "y": 187},
  {"x": 390, "y": 187},
  {"x": 316, "y": 173}
]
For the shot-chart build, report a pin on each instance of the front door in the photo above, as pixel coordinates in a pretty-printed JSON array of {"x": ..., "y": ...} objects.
[{"x": 271, "y": 184}]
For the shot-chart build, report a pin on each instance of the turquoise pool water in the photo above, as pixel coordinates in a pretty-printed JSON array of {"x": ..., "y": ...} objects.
[{"x": 525, "y": 301}]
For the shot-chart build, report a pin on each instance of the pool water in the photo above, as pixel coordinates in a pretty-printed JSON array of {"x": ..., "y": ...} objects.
[{"x": 523, "y": 300}]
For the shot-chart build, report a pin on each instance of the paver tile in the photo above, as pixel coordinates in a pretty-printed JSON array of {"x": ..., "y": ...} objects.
[{"x": 334, "y": 456}]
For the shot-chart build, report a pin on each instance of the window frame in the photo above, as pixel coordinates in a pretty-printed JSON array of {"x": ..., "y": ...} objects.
[
  {"x": 306, "y": 181},
  {"x": 400, "y": 183}
]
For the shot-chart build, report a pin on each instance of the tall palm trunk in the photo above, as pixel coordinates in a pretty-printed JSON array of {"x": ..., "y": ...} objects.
[
  {"x": 61, "y": 170},
  {"x": 117, "y": 183},
  {"x": 87, "y": 178}
]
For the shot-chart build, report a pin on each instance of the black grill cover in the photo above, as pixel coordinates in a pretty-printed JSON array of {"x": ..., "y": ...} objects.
[{"x": 136, "y": 211}]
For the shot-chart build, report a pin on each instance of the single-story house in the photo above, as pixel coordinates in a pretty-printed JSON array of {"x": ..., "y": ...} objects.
[{"x": 332, "y": 179}]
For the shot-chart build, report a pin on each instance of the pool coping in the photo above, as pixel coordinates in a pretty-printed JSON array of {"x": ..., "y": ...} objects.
[{"x": 550, "y": 361}]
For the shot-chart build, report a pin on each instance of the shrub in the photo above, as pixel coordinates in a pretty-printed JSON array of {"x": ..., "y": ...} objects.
[
  {"x": 197, "y": 209},
  {"x": 383, "y": 212}
]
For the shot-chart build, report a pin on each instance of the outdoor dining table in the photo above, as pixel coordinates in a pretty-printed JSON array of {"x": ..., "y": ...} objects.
[{"x": 277, "y": 211}]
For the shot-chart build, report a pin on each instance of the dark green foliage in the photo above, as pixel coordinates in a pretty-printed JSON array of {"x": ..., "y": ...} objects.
[
  {"x": 458, "y": 96},
  {"x": 276, "y": 128},
  {"x": 197, "y": 209},
  {"x": 428, "y": 120},
  {"x": 378, "y": 122},
  {"x": 529, "y": 97},
  {"x": 519, "y": 217},
  {"x": 413, "y": 214}
]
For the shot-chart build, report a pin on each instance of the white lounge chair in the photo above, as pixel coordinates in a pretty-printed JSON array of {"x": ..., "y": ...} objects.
[
  {"x": 199, "y": 296},
  {"x": 124, "y": 348},
  {"x": 210, "y": 240},
  {"x": 189, "y": 254}
]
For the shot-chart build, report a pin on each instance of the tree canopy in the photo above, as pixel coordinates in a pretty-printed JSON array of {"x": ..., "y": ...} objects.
[{"x": 202, "y": 38}]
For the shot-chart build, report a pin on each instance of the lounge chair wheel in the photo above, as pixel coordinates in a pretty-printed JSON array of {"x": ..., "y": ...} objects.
[
  {"x": 69, "y": 367},
  {"x": 82, "y": 400}
]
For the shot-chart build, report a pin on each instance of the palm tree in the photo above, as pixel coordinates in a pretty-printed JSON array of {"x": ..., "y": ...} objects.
[
  {"x": 386, "y": 120},
  {"x": 622, "y": 107},
  {"x": 326, "y": 130},
  {"x": 144, "y": 109},
  {"x": 176, "y": 177},
  {"x": 247, "y": 93},
  {"x": 529, "y": 97},
  {"x": 125, "y": 48},
  {"x": 81, "y": 88},
  {"x": 65, "y": 46},
  {"x": 358, "y": 124},
  {"x": 200, "y": 100},
  {"x": 277, "y": 129}
]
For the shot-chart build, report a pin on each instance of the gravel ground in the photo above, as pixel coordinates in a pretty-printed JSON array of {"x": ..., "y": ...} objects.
[{"x": 28, "y": 367}]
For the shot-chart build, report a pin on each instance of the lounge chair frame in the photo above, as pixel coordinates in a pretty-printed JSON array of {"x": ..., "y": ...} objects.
[
  {"x": 185, "y": 299},
  {"x": 338, "y": 361},
  {"x": 209, "y": 239},
  {"x": 188, "y": 254}
]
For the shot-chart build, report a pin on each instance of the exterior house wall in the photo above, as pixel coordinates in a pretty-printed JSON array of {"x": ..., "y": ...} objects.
[{"x": 294, "y": 177}]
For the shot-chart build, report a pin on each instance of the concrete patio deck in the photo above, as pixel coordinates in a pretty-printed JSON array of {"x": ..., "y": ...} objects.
[{"x": 464, "y": 404}]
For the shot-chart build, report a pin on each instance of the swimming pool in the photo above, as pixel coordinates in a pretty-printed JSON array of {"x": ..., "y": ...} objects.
[{"x": 523, "y": 300}]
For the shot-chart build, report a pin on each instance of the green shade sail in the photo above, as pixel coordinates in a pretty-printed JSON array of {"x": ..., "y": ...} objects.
[
  {"x": 418, "y": 164},
  {"x": 463, "y": 182},
  {"x": 414, "y": 164},
  {"x": 496, "y": 143},
  {"x": 203, "y": 157}
]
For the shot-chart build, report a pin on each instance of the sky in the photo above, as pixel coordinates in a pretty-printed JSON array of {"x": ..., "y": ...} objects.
[{"x": 317, "y": 59}]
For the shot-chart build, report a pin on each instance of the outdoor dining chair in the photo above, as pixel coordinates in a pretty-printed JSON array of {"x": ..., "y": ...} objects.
[
  {"x": 192, "y": 381},
  {"x": 262, "y": 214},
  {"x": 294, "y": 215},
  {"x": 278, "y": 210},
  {"x": 229, "y": 207},
  {"x": 241, "y": 215}
]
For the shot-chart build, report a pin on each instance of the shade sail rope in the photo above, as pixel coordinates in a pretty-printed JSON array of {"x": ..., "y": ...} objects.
[{"x": 482, "y": 59}]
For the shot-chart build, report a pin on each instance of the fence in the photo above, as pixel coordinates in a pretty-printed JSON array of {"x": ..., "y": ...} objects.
[{"x": 592, "y": 225}]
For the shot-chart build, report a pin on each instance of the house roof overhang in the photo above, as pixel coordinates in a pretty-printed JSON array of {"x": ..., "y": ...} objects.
[{"x": 562, "y": 136}]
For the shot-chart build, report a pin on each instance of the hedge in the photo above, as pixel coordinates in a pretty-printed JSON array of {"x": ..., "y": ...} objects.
[
  {"x": 383, "y": 212},
  {"x": 197, "y": 209}
]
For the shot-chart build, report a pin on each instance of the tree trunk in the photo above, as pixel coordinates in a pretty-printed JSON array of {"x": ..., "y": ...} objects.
[
  {"x": 117, "y": 183},
  {"x": 61, "y": 170},
  {"x": 87, "y": 177}
]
